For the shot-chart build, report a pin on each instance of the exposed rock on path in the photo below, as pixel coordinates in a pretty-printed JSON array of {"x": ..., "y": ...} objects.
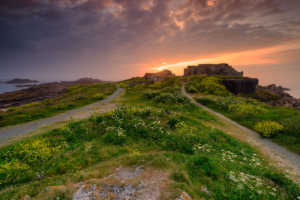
[
  {"x": 278, "y": 154},
  {"x": 83, "y": 112}
]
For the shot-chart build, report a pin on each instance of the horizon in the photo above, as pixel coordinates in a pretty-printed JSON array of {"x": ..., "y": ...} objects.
[{"x": 119, "y": 39}]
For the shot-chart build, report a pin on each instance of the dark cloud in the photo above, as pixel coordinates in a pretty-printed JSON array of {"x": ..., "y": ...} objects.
[{"x": 113, "y": 29}]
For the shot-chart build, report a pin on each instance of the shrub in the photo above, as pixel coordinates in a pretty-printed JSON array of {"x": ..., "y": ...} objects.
[
  {"x": 172, "y": 123},
  {"x": 224, "y": 103},
  {"x": 115, "y": 136},
  {"x": 124, "y": 85},
  {"x": 244, "y": 109},
  {"x": 60, "y": 107},
  {"x": 9, "y": 170},
  {"x": 207, "y": 85},
  {"x": 191, "y": 89},
  {"x": 24, "y": 106},
  {"x": 79, "y": 97},
  {"x": 150, "y": 94},
  {"x": 268, "y": 128},
  {"x": 98, "y": 96},
  {"x": 75, "y": 89}
]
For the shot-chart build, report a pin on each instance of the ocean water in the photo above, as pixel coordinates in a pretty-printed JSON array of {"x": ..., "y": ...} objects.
[
  {"x": 293, "y": 85},
  {"x": 12, "y": 87}
]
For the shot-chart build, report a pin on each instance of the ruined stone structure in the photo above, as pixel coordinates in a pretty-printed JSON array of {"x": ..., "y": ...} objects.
[
  {"x": 211, "y": 69},
  {"x": 159, "y": 76}
]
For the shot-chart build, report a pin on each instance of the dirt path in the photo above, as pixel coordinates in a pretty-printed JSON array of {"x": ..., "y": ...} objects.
[
  {"x": 288, "y": 161},
  {"x": 100, "y": 106}
]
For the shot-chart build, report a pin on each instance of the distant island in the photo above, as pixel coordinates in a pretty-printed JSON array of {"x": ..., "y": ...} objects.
[
  {"x": 86, "y": 80},
  {"x": 20, "y": 81}
]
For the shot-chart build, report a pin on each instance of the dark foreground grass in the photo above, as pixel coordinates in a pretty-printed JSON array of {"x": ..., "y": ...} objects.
[
  {"x": 76, "y": 96},
  {"x": 162, "y": 132}
]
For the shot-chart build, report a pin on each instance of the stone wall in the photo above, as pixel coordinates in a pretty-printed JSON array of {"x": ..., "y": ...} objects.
[
  {"x": 244, "y": 86},
  {"x": 212, "y": 69}
]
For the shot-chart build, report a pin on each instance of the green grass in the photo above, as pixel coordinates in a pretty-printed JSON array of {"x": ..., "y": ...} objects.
[
  {"x": 247, "y": 111},
  {"x": 287, "y": 117},
  {"x": 163, "y": 132},
  {"x": 76, "y": 96}
]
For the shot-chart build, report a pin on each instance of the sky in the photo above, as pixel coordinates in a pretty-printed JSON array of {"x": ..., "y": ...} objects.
[{"x": 120, "y": 39}]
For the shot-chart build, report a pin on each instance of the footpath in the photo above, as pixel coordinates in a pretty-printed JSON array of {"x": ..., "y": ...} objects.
[
  {"x": 18, "y": 130},
  {"x": 288, "y": 161}
]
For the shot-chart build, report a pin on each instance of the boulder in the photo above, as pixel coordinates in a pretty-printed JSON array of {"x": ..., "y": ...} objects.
[{"x": 244, "y": 86}]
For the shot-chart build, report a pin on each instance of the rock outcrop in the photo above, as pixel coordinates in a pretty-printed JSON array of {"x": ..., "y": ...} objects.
[
  {"x": 34, "y": 93},
  {"x": 244, "y": 86},
  {"x": 285, "y": 99}
]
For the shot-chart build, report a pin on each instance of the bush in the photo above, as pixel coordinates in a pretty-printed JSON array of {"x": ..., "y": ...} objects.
[
  {"x": 124, "y": 85},
  {"x": 246, "y": 109},
  {"x": 115, "y": 136},
  {"x": 24, "y": 106},
  {"x": 224, "y": 103},
  {"x": 60, "y": 107},
  {"x": 98, "y": 96},
  {"x": 191, "y": 89},
  {"x": 268, "y": 128},
  {"x": 150, "y": 94},
  {"x": 207, "y": 85},
  {"x": 79, "y": 97}
]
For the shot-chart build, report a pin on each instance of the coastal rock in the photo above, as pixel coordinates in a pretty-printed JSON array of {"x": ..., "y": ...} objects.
[
  {"x": 244, "y": 86},
  {"x": 34, "y": 93},
  {"x": 277, "y": 90}
]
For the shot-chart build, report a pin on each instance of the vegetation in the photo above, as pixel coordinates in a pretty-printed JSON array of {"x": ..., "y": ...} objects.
[
  {"x": 206, "y": 85},
  {"x": 162, "y": 131},
  {"x": 280, "y": 124},
  {"x": 76, "y": 96}
]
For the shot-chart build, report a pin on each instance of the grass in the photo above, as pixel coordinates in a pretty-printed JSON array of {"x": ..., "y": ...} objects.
[
  {"x": 289, "y": 118},
  {"x": 247, "y": 111},
  {"x": 161, "y": 131},
  {"x": 76, "y": 96}
]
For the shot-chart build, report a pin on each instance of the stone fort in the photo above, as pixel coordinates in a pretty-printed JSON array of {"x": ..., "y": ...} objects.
[{"x": 212, "y": 69}]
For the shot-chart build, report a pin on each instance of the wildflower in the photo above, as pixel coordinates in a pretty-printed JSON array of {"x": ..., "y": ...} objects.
[
  {"x": 272, "y": 193},
  {"x": 204, "y": 189},
  {"x": 259, "y": 191},
  {"x": 240, "y": 186}
]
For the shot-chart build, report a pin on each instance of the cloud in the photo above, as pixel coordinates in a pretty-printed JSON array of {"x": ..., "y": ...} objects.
[{"x": 121, "y": 30}]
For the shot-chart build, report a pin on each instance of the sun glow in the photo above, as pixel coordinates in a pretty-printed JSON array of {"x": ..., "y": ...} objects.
[{"x": 241, "y": 58}]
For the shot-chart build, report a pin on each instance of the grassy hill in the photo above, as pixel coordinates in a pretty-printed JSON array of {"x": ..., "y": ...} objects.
[{"x": 155, "y": 128}]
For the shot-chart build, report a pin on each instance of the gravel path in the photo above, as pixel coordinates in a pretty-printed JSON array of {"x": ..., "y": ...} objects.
[
  {"x": 18, "y": 130},
  {"x": 282, "y": 157}
]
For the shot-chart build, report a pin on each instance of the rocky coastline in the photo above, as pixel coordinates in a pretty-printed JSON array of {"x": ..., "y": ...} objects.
[
  {"x": 35, "y": 93},
  {"x": 285, "y": 99},
  {"x": 40, "y": 92}
]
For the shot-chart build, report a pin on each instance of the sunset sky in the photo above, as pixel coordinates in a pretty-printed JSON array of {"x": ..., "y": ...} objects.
[{"x": 120, "y": 39}]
